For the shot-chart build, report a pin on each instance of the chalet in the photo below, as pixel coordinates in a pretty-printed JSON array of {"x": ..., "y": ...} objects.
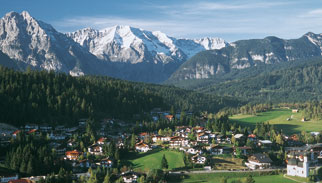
[
  {"x": 298, "y": 166},
  {"x": 169, "y": 117},
  {"x": 161, "y": 138},
  {"x": 179, "y": 142},
  {"x": 72, "y": 155},
  {"x": 106, "y": 163},
  {"x": 102, "y": 141},
  {"x": 193, "y": 151},
  {"x": 259, "y": 161},
  {"x": 129, "y": 177},
  {"x": 197, "y": 159},
  {"x": 295, "y": 110},
  {"x": 142, "y": 147},
  {"x": 220, "y": 139},
  {"x": 203, "y": 138},
  {"x": 15, "y": 133},
  {"x": 199, "y": 129},
  {"x": 252, "y": 137},
  {"x": 95, "y": 149},
  {"x": 143, "y": 135},
  {"x": 217, "y": 150}
]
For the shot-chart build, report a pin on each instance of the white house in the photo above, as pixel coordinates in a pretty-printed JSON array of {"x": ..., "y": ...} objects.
[
  {"x": 198, "y": 159},
  {"x": 142, "y": 147},
  {"x": 95, "y": 149},
  {"x": 179, "y": 142},
  {"x": 193, "y": 151},
  {"x": 298, "y": 166},
  {"x": 129, "y": 177}
]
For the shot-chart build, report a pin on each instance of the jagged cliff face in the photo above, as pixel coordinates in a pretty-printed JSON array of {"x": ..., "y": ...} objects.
[
  {"x": 38, "y": 44},
  {"x": 132, "y": 45},
  {"x": 248, "y": 53},
  {"x": 120, "y": 51}
]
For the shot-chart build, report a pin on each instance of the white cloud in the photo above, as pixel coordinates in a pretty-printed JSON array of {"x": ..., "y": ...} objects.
[{"x": 204, "y": 18}]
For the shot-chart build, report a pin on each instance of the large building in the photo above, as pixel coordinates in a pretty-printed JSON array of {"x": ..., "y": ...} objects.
[{"x": 298, "y": 166}]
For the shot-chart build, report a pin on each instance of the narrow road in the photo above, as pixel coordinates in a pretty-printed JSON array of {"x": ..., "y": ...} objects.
[{"x": 223, "y": 171}]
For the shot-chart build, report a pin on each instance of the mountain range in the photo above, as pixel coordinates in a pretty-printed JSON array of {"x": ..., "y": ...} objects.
[
  {"x": 246, "y": 54},
  {"x": 120, "y": 51},
  {"x": 208, "y": 65}
]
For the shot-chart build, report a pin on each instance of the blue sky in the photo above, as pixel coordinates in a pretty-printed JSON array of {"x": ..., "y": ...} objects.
[{"x": 228, "y": 19}]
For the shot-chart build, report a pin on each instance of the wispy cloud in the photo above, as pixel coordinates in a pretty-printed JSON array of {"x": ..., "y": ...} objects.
[{"x": 206, "y": 18}]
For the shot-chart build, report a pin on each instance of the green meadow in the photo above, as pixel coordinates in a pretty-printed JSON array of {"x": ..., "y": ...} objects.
[
  {"x": 152, "y": 160},
  {"x": 278, "y": 118}
]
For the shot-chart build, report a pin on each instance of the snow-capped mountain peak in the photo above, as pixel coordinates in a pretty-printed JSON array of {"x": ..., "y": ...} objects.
[
  {"x": 38, "y": 44},
  {"x": 128, "y": 44}
]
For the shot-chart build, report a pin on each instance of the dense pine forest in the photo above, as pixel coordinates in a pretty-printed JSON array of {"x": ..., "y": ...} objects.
[
  {"x": 296, "y": 81},
  {"x": 48, "y": 97}
]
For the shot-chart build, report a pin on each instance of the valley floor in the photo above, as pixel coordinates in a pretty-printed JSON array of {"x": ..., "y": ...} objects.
[{"x": 279, "y": 118}]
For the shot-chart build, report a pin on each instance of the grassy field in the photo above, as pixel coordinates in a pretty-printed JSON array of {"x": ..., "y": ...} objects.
[
  {"x": 152, "y": 160},
  {"x": 227, "y": 163},
  {"x": 215, "y": 177},
  {"x": 278, "y": 117}
]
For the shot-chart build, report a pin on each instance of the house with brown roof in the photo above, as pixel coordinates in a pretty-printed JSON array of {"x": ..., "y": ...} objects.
[
  {"x": 142, "y": 147},
  {"x": 203, "y": 138},
  {"x": 259, "y": 161},
  {"x": 197, "y": 159},
  {"x": 95, "y": 149},
  {"x": 72, "y": 155},
  {"x": 169, "y": 117},
  {"x": 102, "y": 140},
  {"x": 106, "y": 162},
  {"x": 179, "y": 142}
]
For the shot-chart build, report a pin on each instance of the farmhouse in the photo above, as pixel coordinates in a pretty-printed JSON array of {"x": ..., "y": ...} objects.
[
  {"x": 203, "y": 138},
  {"x": 72, "y": 155},
  {"x": 142, "y": 147},
  {"x": 129, "y": 177},
  {"x": 198, "y": 159},
  {"x": 95, "y": 149},
  {"x": 102, "y": 140},
  {"x": 106, "y": 162},
  {"x": 259, "y": 161},
  {"x": 178, "y": 142}
]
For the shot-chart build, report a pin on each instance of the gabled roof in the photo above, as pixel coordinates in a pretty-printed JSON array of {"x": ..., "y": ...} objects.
[
  {"x": 260, "y": 158},
  {"x": 74, "y": 152},
  {"x": 32, "y": 131},
  {"x": 16, "y": 132}
]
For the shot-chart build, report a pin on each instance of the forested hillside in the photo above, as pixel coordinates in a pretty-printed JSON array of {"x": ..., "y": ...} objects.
[
  {"x": 290, "y": 83},
  {"x": 48, "y": 97}
]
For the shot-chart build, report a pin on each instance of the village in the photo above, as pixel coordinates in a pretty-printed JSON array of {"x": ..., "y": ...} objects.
[{"x": 200, "y": 145}]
